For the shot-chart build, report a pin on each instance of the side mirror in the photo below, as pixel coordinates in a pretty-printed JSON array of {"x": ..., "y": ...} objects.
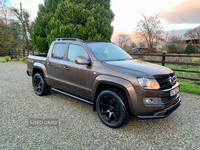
[{"x": 81, "y": 60}]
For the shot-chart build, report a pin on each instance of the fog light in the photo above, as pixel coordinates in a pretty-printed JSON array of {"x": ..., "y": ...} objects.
[
  {"x": 152, "y": 101},
  {"x": 149, "y": 101}
]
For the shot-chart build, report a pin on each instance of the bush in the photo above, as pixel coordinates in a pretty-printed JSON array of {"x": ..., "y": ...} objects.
[
  {"x": 23, "y": 59},
  {"x": 141, "y": 57},
  {"x": 6, "y": 58},
  {"x": 175, "y": 45},
  {"x": 190, "y": 49},
  {"x": 129, "y": 50},
  {"x": 18, "y": 58}
]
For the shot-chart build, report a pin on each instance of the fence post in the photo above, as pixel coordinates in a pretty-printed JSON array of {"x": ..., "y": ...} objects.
[{"x": 163, "y": 58}]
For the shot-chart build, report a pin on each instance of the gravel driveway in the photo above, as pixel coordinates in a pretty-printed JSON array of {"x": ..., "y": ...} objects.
[{"x": 79, "y": 127}]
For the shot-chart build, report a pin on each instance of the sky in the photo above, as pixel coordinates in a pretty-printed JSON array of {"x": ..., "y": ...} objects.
[{"x": 174, "y": 14}]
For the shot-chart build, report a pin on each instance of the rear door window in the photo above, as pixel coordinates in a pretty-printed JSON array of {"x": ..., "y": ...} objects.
[{"x": 59, "y": 50}]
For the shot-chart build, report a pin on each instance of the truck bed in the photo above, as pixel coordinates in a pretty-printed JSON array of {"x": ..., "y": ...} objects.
[{"x": 32, "y": 59}]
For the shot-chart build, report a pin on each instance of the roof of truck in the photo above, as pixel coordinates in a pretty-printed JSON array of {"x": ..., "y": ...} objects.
[{"x": 79, "y": 40}]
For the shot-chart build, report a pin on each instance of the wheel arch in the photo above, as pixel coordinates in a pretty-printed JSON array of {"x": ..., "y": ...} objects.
[
  {"x": 104, "y": 82},
  {"x": 39, "y": 67}
]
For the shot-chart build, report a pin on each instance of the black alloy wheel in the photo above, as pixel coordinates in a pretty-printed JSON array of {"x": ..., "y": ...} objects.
[
  {"x": 39, "y": 85},
  {"x": 111, "y": 109}
]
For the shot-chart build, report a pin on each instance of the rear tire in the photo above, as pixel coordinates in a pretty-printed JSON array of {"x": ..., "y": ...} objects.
[
  {"x": 39, "y": 85},
  {"x": 112, "y": 108}
]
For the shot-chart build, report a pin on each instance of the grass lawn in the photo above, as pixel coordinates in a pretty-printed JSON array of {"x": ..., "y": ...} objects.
[
  {"x": 185, "y": 67},
  {"x": 2, "y": 60},
  {"x": 189, "y": 86}
]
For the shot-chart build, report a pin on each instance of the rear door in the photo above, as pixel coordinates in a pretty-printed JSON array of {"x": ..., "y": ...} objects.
[{"x": 55, "y": 64}]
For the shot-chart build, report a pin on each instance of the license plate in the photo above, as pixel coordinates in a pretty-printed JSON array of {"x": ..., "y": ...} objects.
[{"x": 174, "y": 91}]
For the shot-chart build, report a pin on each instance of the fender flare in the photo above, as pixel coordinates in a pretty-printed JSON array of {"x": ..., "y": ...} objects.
[
  {"x": 119, "y": 83},
  {"x": 42, "y": 67}
]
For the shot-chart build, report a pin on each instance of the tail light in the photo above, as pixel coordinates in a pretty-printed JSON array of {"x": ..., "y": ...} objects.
[{"x": 27, "y": 62}]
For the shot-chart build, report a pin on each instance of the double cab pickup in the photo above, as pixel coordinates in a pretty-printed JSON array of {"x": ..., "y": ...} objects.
[{"x": 102, "y": 74}]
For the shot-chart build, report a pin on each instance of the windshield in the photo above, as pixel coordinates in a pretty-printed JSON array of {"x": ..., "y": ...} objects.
[{"x": 108, "y": 51}]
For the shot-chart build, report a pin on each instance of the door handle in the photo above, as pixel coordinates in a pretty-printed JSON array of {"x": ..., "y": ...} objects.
[
  {"x": 66, "y": 68},
  {"x": 49, "y": 64}
]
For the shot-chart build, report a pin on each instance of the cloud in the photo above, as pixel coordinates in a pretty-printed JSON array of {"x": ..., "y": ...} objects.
[{"x": 186, "y": 12}]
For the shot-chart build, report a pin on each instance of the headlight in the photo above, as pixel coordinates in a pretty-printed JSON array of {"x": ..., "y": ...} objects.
[{"x": 148, "y": 83}]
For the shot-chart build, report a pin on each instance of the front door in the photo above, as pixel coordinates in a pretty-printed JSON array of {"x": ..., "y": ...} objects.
[{"x": 77, "y": 77}]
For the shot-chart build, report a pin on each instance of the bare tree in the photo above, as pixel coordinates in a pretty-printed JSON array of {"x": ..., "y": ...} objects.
[
  {"x": 167, "y": 37},
  {"x": 191, "y": 34},
  {"x": 28, "y": 28},
  {"x": 194, "y": 34},
  {"x": 26, "y": 16},
  {"x": 142, "y": 44},
  {"x": 4, "y": 10},
  {"x": 149, "y": 29},
  {"x": 197, "y": 31},
  {"x": 123, "y": 40},
  {"x": 133, "y": 44}
]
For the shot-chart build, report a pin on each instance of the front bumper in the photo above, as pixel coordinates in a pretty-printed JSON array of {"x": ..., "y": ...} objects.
[{"x": 163, "y": 113}]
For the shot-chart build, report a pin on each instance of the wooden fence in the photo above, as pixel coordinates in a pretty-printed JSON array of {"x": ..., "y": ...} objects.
[
  {"x": 163, "y": 56},
  {"x": 18, "y": 52}
]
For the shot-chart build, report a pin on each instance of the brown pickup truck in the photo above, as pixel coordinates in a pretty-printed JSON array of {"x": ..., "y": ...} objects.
[{"x": 104, "y": 75}]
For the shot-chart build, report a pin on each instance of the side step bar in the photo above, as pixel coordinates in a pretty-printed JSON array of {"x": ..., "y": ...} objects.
[{"x": 78, "y": 98}]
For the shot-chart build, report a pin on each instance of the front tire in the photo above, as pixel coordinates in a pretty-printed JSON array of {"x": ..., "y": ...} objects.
[
  {"x": 39, "y": 84},
  {"x": 112, "y": 109}
]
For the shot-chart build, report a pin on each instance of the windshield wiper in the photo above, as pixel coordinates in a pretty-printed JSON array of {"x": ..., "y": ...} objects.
[
  {"x": 118, "y": 59},
  {"x": 124, "y": 59},
  {"x": 121, "y": 59}
]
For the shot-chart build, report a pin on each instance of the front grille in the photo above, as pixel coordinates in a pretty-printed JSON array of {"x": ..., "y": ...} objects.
[
  {"x": 167, "y": 82},
  {"x": 166, "y": 100}
]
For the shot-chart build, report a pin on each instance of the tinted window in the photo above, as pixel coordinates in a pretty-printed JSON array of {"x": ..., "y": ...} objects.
[
  {"x": 75, "y": 51},
  {"x": 108, "y": 51},
  {"x": 59, "y": 51}
]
